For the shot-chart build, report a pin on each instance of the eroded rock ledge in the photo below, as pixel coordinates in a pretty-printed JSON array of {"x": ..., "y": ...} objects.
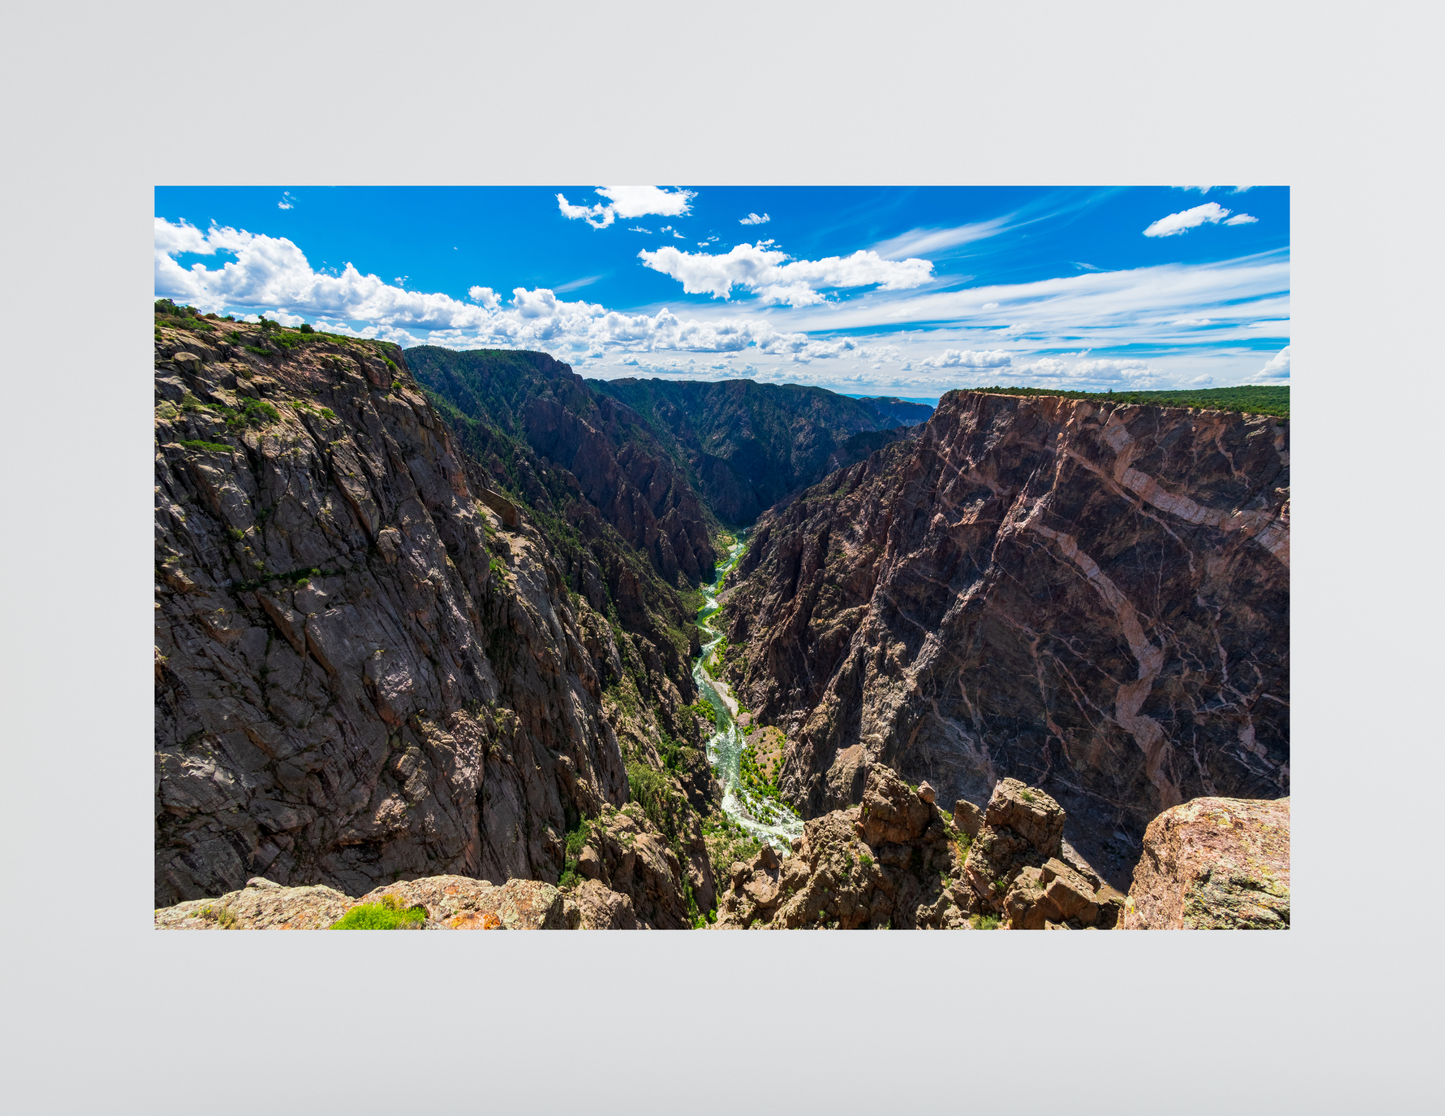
[{"x": 898, "y": 861}]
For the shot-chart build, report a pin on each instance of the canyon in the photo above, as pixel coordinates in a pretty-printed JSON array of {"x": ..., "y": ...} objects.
[{"x": 428, "y": 620}]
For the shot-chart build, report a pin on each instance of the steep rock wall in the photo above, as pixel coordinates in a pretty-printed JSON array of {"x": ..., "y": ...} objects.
[
  {"x": 367, "y": 664},
  {"x": 1091, "y": 598}
]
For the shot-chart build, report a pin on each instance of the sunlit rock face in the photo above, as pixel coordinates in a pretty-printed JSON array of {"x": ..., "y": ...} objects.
[{"x": 1088, "y": 597}]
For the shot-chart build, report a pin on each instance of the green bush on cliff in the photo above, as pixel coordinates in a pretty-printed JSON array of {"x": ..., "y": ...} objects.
[{"x": 386, "y": 915}]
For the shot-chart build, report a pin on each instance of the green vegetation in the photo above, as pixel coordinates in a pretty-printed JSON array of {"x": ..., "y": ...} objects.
[
  {"x": 256, "y": 412},
  {"x": 648, "y": 788},
  {"x": 700, "y": 708},
  {"x": 984, "y": 922},
  {"x": 1248, "y": 399},
  {"x": 214, "y": 447},
  {"x": 223, "y": 915},
  {"x": 576, "y": 838},
  {"x": 760, "y": 782},
  {"x": 386, "y": 915},
  {"x": 727, "y": 841},
  {"x": 1026, "y": 795}
]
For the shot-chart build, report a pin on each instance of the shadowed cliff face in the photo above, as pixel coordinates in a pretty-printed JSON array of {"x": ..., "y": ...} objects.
[
  {"x": 1091, "y": 598},
  {"x": 368, "y": 664},
  {"x": 619, "y": 467},
  {"x": 749, "y": 445}
]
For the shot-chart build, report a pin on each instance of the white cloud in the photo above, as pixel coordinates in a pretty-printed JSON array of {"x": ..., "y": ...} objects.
[
  {"x": 920, "y": 241},
  {"x": 761, "y": 269},
  {"x": 1242, "y": 219},
  {"x": 1276, "y": 368},
  {"x": 599, "y": 216},
  {"x": 1175, "y": 223},
  {"x": 640, "y": 201},
  {"x": 629, "y": 202},
  {"x": 754, "y": 219},
  {"x": 847, "y": 344},
  {"x": 956, "y": 358},
  {"x": 990, "y": 305},
  {"x": 639, "y": 228},
  {"x": 287, "y": 201}
]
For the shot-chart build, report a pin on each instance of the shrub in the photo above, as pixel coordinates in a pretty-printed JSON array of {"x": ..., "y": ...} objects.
[
  {"x": 214, "y": 447},
  {"x": 1027, "y": 795},
  {"x": 386, "y": 915},
  {"x": 984, "y": 922},
  {"x": 305, "y": 327}
]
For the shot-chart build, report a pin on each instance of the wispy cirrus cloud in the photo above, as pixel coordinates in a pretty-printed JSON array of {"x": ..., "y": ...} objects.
[{"x": 920, "y": 242}]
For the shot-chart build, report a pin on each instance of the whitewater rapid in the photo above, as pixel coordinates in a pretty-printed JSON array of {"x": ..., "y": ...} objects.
[{"x": 764, "y": 818}]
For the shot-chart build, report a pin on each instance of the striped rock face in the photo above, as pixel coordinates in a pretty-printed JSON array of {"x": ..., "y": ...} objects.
[{"x": 1092, "y": 598}]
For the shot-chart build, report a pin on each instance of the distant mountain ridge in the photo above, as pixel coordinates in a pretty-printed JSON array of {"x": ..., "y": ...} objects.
[{"x": 749, "y": 445}]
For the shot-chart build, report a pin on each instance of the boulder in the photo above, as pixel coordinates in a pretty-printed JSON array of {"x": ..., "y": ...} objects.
[
  {"x": 598, "y": 907},
  {"x": 926, "y": 792},
  {"x": 891, "y": 810},
  {"x": 967, "y": 817},
  {"x": 451, "y": 903},
  {"x": 462, "y": 903},
  {"x": 1213, "y": 864},
  {"x": 260, "y": 905}
]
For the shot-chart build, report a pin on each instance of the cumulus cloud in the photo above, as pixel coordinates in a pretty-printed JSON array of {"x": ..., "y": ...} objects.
[
  {"x": 629, "y": 202},
  {"x": 1276, "y": 368},
  {"x": 762, "y": 269},
  {"x": 968, "y": 358},
  {"x": 271, "y": 275},
  {"x": 754, "y": 219},
  {"x": 287, "y": 201},
  {"x": 1242, "y": 219}
]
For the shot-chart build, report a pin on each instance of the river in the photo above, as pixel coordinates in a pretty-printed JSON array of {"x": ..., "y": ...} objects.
[{"x": 764, "y": 818}]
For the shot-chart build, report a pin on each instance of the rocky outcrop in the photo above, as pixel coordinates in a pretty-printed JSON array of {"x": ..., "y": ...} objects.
[
  {"x": 594, "y": 906},
  {"x": 749, "y": 445},
  {"x": 1213, "y": 863},
  {"x": 630, "y": 857},
  {"x": 1020, "y": 866},
  {"x": 1093, "y": 598},
  {"x": 368, "y": 664},
  {"x": 450, "y": 902},
  {"x": 891, "y": 863}
]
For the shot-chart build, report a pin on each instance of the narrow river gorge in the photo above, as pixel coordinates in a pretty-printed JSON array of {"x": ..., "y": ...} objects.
[{"x": 764, "y": 817}]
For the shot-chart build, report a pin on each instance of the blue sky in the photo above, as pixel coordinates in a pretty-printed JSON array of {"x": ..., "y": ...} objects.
[{"x": 867, "y": 290}]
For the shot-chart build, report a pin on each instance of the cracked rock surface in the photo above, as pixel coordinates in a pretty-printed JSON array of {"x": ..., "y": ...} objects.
[{"x": 367, "y": 665}]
